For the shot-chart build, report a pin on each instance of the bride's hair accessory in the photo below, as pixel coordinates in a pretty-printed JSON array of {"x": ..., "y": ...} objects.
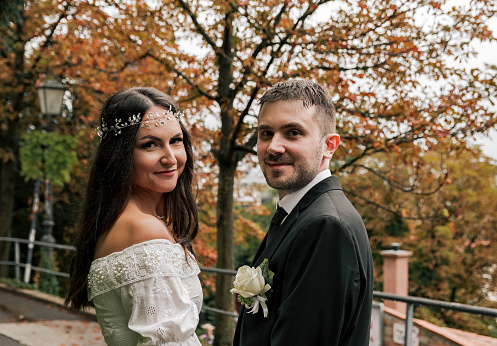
[{"x": 148, "y": 121}]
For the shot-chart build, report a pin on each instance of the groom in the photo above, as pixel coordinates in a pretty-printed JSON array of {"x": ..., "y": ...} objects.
[{"x": 318, "y": 248}]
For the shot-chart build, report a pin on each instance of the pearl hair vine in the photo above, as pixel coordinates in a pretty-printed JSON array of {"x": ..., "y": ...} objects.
[{"x": 148, "y": 121}]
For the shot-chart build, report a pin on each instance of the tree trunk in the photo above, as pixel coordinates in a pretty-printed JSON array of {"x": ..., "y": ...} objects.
[
  {"x": 8, "y": 173},
  {"x": 225, "y": 325},
  {"x": 10, "y": 136}
]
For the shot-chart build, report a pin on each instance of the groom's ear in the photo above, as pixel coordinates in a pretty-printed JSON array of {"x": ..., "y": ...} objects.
[{"x": 331, "y": 142}]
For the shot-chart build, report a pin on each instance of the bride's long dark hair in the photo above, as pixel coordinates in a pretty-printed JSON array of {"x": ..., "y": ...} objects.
[{"x": 110, "y": 184}]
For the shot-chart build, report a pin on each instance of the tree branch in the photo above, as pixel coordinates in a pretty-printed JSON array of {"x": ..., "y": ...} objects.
[
  {"x": 242, "y": 116},
  {"x": 48, "y": 38},
  {"x": 369, "y": 150},
  {"x": 245, "y": 149},
  {"x": 410, "y": 189},
  {"x": 258, "y": 49},
  {"x": 394, "y": 212},
  {"x": 196, "y": 86},
  {"x": 198, "y": 26},
  {"x": 255, "y": 53}
]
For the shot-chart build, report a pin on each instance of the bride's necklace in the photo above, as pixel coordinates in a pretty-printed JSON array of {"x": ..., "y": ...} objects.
[{"x": 159, "y": 217}]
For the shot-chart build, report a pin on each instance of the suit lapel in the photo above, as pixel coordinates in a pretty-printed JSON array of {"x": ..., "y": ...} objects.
[
  {"x": 268, "y": 251},
  {"x": 259, "y": 252},
  {"x": 264, "y": 251}
]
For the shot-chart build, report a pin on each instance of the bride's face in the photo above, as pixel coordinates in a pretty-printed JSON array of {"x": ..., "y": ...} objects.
[{"x": 159, "y": 155}]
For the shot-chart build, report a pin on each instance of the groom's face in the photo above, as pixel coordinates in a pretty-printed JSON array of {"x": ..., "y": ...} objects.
[{"x": 290, "y": 146}]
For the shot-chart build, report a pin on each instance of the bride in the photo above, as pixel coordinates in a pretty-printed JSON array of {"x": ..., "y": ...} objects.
[{"x": 134, "y": 258}]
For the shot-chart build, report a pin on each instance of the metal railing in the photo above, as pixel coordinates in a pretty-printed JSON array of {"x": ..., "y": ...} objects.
[
  {"x": 27, "y": 266},
  {"x": 17, "y": 256},
  {"x": 410, "y": 301}
]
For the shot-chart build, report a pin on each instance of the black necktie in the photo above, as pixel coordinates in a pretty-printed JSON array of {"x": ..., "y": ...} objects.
[{"x": 278, "y": 216}]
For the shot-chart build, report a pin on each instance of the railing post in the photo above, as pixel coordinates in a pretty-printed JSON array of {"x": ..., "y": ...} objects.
[
  {"x": 48, "y": 224},
  {"x": 29, "y": 257},
  {"x": 408, "y": 340},
  {"x": 18, "y": 260},
  {"x": 32, "y": 231}
]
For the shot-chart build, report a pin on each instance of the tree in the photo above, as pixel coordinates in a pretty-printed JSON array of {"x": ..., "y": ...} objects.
[
  {"x": 10, "y": 10},
  {"x": 15, "y": 82},
  {"x": 48, "y": 154},
  {"x": 372, "y": 55},
  {"x": 452, "y": 238},
  {"x": 455, "y": 255},
  {"x": 392, "y": 76}
]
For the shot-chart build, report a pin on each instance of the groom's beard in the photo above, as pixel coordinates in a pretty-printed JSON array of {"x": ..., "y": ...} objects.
[{"x": 294, "y": 176}]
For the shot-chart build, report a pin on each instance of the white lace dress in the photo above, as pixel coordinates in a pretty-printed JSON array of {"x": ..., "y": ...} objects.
[{"x": 147, "y": 294}]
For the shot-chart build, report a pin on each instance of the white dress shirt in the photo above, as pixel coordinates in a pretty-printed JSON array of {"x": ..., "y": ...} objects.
[{"x": 291, "y": 200}]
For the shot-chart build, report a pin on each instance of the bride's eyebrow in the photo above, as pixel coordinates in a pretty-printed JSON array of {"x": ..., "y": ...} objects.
[{"x": 151, "y": 137}]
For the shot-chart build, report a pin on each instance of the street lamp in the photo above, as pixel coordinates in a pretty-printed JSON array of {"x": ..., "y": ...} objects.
[{"x": 51, "y": 94}]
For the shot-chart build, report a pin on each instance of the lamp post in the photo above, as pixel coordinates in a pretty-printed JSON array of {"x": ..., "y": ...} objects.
[{"x": 50, "y": 94}]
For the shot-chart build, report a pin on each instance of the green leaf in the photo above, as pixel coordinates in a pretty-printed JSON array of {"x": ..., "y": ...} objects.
[
  {"x": 266, "y": 273},
  {"x": 245, "y": 301},
  {"x": 48, "y": 155}
]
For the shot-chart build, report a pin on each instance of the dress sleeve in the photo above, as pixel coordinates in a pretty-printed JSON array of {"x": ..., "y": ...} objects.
[{"x": 161, "y": 311}]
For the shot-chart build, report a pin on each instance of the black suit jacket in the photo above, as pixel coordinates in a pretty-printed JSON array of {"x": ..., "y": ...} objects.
[{"x": 323, "y": 283}]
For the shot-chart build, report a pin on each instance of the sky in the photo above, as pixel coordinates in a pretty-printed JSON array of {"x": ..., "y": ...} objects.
[{"x": 487, "y": 53}]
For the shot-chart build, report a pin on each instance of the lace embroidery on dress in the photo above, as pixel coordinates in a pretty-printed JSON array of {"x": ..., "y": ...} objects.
[{"x": 155, "y": 258}]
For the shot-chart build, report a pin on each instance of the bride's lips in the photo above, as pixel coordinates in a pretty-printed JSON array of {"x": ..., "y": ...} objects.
[{"x": 168, "y": 172}]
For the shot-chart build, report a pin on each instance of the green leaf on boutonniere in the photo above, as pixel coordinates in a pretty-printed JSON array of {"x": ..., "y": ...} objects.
[
  {"x": 267, "y": 274},
  {"x": 248, "y": 302}
]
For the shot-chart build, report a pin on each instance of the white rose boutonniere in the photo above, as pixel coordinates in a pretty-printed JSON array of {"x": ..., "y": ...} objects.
[{"x": 253, "y": 286}]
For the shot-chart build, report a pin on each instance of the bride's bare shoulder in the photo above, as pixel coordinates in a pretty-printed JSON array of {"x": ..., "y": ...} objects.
[
  {"x": 132, "y": 227},
  {"x": 144, "y": 227}
]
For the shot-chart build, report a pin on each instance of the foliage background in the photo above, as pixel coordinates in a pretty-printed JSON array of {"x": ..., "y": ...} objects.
[{"x": 405, "y": 113}]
